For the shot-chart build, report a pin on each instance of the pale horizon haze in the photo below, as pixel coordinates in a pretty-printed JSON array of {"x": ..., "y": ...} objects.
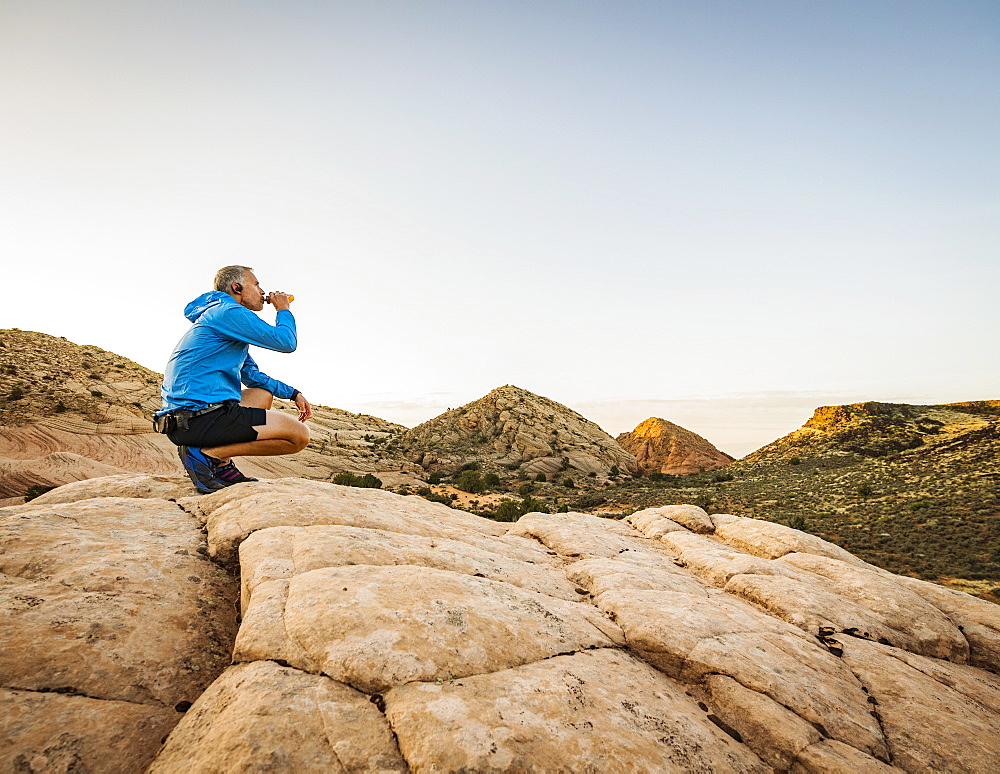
[{"x": 721, "y": 213}]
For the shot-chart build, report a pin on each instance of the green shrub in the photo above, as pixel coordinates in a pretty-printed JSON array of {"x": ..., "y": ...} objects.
[
  {"x": 60, "y": 407},
  {"x": 16, "y": 394},
  {"x": 531, "y": 505},
  {"x": 794, "y": 461},
  {"x": 540, "y": 478},
  {"x": 563, "y": 508},
  {"x": 97, "y": 393},
  {"x": 590, "y": 501},
  {"x": 865, "y": 490},
  {"x": 470, "y": 466},
  {"x": 507, "y": 510},
  {"x": 367, "y": 481},
  {"x": 435, "y": 478},
  {"x": 614, "y": 471},
  {"x": 434, "y": 497},
  {"x": 491, "y": 479},
  {"x": 525, "y": 490},
  {"x": 470, "y": 481},
  {"x": 569, "y": 483}
]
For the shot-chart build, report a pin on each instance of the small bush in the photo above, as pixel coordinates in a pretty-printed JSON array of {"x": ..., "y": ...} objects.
[
  {"x": 60, "y": 407},
  {"x": 427, "y": 494},
  {"x": 795, "y": 461},
  {"x": 541, "y": 478},
  {"x": 434, "y": 478},
  {"x": 563, "y": 508},
  {"x": 491, "y": 479},
  {"x": 590, "y": 501},
  {"x": 569, "y": 483},
  {"x": 97, "y": 393},
  {"x": 865, "y": 490},
  {"x": 470, "y": 481},
  {"x": 470, "y": 466},
  {"x": 16, "y": 394},
  {"x": 367, "y": 481},
  {"x": 614, "y": 471},
  {"x": 507, "y": 510},
  {"x": 525, "y": 490}
]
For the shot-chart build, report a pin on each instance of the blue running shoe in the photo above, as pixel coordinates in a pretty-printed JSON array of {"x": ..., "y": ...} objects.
[
  {"x": 200, "y": 469},
  {"x": 229, "y": 474}
]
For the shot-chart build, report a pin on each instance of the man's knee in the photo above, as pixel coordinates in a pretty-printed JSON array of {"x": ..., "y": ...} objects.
[{"x": 301, "y": 437}]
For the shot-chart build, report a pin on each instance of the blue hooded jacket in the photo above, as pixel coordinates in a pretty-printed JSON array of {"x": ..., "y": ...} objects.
[{"x": 212, "y": 358}]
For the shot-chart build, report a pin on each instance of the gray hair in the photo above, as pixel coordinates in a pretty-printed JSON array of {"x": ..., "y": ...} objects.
[{"x": 227, "y": 275}]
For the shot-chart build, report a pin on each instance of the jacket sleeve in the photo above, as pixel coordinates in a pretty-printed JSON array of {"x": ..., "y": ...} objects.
[
  {"x": 243, "y": 325},
  {"x": 252, "y": 376}
]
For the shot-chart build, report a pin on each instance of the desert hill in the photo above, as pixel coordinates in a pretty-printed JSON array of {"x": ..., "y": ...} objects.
[
  {"x": 511, "y": 428},
  {"x": 910, "y": 488},
  {"x": 296, "y": 625},
  {"x": 660, "y": 446},
  {"x": 69, "y": 412},
  {"x": 878, "y": 429}
]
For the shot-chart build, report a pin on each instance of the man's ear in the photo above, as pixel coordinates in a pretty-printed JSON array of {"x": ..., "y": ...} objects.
[{"x": 237, "y": 287}]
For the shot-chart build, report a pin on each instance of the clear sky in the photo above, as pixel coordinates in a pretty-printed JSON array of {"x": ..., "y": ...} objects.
[{"x": 721, "y": 213}]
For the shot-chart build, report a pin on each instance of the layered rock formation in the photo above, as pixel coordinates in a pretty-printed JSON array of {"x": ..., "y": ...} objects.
[
  {"x": 70, "y": 412},
  {"x": 513, "y": 428},
  {"x": 113, "y": 623},
  {"x": 875, "y": 429},
  {"x": 660, "y": 446},
  {"x": 386, "y": 633}
]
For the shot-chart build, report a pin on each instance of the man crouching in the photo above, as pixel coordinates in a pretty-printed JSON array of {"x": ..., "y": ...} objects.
[{"x": 205, "y": 412}]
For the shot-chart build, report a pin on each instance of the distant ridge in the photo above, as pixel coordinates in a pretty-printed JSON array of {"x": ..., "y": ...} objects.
[{"x": 874, "y": 429}]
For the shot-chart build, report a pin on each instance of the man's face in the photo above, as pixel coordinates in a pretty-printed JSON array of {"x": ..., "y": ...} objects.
[{"x": 252, "y": 297}]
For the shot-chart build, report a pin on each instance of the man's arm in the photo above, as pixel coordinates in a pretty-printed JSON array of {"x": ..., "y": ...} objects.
[
  {"x": 241, "y": 324},
  {"x": 252, "y": 376}
]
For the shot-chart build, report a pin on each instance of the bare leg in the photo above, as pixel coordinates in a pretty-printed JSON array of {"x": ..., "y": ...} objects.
[
  {"x": 281, "y": 434},
  {"x": 257, "y": 397}
]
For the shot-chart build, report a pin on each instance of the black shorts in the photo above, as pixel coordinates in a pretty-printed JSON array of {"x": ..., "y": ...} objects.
[{"x": 231, "y": 424}]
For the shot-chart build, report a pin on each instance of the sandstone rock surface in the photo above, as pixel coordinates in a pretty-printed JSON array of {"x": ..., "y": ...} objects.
[
  {"x": 111, "y": 622},
  {"x": 232, "y": 514},
  {"x": 660, "y": 446},
  {"x": 51, "y": 732},
  {"x": 263, "y": 717},
  {"x": 594, "y": 711},
  {"x": 511, "y": 427},
  {"x": 386, "y": 633}
]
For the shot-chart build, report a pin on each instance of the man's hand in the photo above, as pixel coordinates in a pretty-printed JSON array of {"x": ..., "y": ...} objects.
[
  {"x": 280, "y": 301},
  {"x": 305, "y": 408}
]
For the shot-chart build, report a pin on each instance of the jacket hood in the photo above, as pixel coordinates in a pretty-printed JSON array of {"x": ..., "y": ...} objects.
[{"x": 206, "y": 301}]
